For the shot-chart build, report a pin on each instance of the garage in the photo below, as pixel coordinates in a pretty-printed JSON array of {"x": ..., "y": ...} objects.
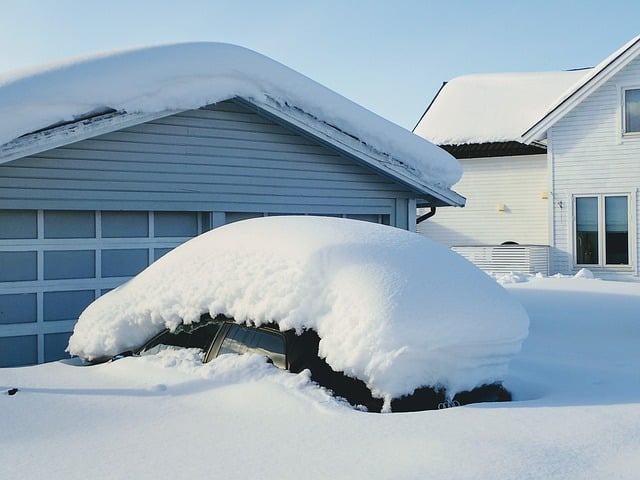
[{"x": 99, "y": 179}]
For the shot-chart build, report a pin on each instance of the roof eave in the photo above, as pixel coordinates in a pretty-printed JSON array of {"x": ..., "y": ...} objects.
[
  {"x": 60, "y": 136},
  {"x": 355, "y": 149},
  {"x": 48, "y": 139}
]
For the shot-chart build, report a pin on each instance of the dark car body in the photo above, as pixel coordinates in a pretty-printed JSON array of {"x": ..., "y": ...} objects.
[{"x": 296, "y": 352}]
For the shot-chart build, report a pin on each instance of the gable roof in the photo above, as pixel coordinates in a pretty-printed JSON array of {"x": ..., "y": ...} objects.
[
  {"x": 57, "y": 104},
  {"x": 595, "y": 77},
  {"x": 491, "y": 108}
]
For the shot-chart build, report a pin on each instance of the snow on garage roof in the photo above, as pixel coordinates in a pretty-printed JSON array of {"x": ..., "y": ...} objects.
[
  {"x": 391, "y": 307},
  {"x": 180, "y": 77},
  {"x": 495, "y": 107}
]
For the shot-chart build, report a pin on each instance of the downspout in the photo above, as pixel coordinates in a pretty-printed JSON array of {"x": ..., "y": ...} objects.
[{"x": 426, "y": 216}]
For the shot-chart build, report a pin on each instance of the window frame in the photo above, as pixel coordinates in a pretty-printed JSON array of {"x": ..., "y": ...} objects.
[
  {"x": 602, "y": 233},
  {"x": 623, "y": 116}
]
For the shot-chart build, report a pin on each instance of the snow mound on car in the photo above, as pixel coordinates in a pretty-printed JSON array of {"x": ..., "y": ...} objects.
[{"x": 391, "y": 307}]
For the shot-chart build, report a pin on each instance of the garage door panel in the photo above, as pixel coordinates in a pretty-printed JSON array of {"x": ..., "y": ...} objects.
[
  {"x": 18, "y": 308},
  {"x": 69, "y": 264},
  {"x": 18, "y": 224},
  {"x": 69, "y": 224},
  {"x": 124, "y": 262},
  {"x": 55, "y": 345},
  {"x": 125, "y": 224},
  {"x": 18, "y": 266},
  {"x": 18, "y": 351},
  {"x": 176, "y": 224},
  {"x": 66, "y": 305}
]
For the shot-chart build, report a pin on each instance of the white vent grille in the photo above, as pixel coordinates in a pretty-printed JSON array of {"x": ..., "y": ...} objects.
[{"x": 507, "y": 258}]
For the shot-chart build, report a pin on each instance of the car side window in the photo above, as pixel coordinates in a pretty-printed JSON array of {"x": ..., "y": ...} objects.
[
  {"x": 241, "y": 339},
  {"x": 196, "y": 335}
]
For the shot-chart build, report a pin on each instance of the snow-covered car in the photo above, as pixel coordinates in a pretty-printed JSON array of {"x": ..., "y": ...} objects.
[{"x": 383, "y": 317}]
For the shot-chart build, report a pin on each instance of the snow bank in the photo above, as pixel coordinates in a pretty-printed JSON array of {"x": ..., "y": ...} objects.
[
  {"x": 391, "y": 307},
  {"x": 187, "y": 76},
  {"x": 496, "y": 107}
]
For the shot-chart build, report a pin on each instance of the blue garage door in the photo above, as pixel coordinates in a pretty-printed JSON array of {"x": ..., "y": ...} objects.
[{"x": 54, "y": 263}]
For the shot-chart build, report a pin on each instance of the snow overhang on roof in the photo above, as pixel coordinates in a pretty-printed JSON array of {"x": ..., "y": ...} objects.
[
  {"x": 491, "y": 108},
  {"x": 47, "y": 107},
  {"x": 594, "y": 78}
]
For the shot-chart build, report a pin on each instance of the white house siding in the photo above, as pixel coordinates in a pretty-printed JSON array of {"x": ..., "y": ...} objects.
[
  {"x": 78, "y": 220},
  {"x": 591, "y": 157},
  {"x": 518, "y": 183}
]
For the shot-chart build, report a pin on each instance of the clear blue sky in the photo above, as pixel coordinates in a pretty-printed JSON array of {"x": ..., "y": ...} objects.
[{"x": 389, "y": 56}]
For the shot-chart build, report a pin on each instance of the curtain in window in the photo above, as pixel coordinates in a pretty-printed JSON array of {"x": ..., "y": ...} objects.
[
  {"x": 632, "y": 110},
  {"x": 587, "y": 230},
  {"x": 616, "y": 230}
]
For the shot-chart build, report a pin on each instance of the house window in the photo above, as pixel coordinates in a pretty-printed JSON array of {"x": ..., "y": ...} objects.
[
  {"x": 602, "y": 230},
  {"x": 632, "y": 110}
]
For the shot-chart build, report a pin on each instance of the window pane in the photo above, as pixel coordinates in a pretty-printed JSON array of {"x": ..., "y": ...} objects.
[
  {"x": 124, "y": 263},
  {"x": 617, "y": 230},
  {"x": 241, "y": 339},
  {"x": 176, "y": 224},
  {"x": 196, "y": 335},
  {"x": 18, "y": 224},
  {"x": 18, "y": 308},
  {"x": 632, "y": 110},
  {"x": 18, "y": 266},
  {"x": 18, "y": 351},
  {"x": 271, "y": 345},
  {"x": 55, "y": 345},
  {"x": 69, "y": 224},
  {"x": 125, "y": 224},
  {"x": 236, "y": 340},
  {"x": 587, "y": 230},
  {"x": 69, "y": 264},
  {"x": 66, "y": 305}
]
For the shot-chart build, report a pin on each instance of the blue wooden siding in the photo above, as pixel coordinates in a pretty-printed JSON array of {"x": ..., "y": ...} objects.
[{"x": 222, "y": 158}]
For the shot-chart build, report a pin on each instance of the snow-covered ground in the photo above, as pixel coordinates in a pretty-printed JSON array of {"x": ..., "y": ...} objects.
[{"x": 576, "y": 414}]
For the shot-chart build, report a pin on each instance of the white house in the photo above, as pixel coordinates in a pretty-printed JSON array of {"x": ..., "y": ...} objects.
[
  {"x": 108, "y": 162},
  {"x": 552, "y": 163}
]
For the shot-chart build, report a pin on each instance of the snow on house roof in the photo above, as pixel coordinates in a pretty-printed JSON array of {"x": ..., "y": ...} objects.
[
  {"x": 495, "y": 107},
  {"x": 506, "y": 107},
  {"x": 385, "y": 302},
  {"x": 178, "y": 77}
]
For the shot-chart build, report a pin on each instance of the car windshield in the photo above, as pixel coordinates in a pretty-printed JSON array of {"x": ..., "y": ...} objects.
[{"x": 196, "y": 335}]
